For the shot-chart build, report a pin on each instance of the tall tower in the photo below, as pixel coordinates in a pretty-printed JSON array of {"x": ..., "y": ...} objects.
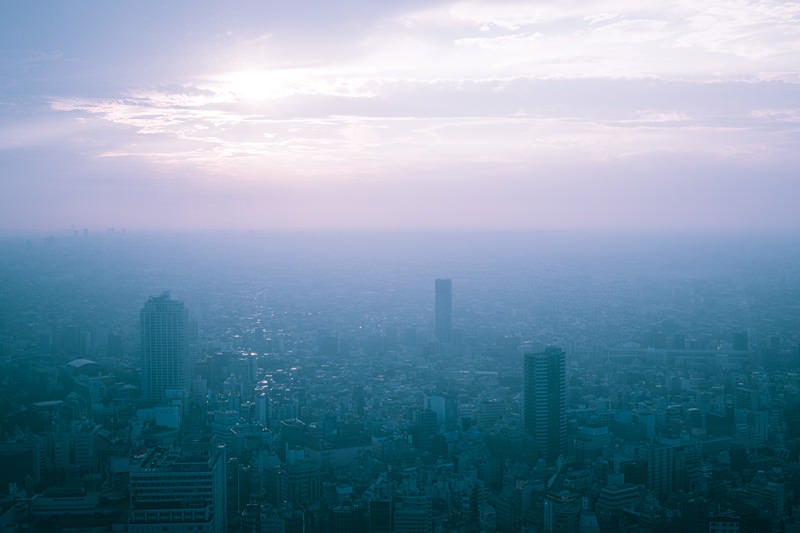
[
  {"x": 164, "y": 346},
  {"x": 545, "y": 402},
  {"x": 444, "y": 310}
]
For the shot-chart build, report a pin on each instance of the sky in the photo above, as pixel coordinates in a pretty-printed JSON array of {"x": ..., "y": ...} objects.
[{"x": 552, "y": 114}]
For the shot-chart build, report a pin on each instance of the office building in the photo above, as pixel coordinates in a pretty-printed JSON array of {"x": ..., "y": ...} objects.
[
  {"x": 562, "y": 512},
  {"x": 660, "y": 461},
  {"x": 444, "y": 310},
  {"x": 178, "y": 494},
  {"x": 413, "y": 514},
  {"x": 545, "y": 402},
  {"x": 164, "y": 348}
]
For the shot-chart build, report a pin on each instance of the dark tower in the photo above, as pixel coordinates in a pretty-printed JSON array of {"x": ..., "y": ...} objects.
[
  {"x": 545, "y": 405},
  {"x": 444, "y": 310}
]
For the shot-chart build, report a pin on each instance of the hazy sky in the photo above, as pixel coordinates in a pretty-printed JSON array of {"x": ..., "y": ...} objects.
[{"x": 400, "y": 114}]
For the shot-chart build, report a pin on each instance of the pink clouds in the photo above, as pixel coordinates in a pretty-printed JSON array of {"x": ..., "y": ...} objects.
[{"x": 450, "y": 114}]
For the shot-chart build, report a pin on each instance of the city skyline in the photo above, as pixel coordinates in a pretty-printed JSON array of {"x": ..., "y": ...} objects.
[
  {"x": 400, "y": 115},
  {"x": 321, "y": 400},
  {"x": 611, "y": 185}
]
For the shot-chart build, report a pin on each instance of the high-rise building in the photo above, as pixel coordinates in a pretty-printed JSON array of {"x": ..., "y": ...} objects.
[
  {"x": 660, "y": 462},
  {"x": 164, "y": 347},
  {"x": 545, "y": 402},
  {"x": 444, "y": 310}
]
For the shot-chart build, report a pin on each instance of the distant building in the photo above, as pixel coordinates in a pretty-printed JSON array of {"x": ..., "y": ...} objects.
[
  {"x": 613, "y": 499},
  {"x": 300, "y": 483},
  {"x": 444, "y": 310},
  {"x": 425, "y": 429},
  {"x": 562, "y": 512},
  {"x": 173, "y": 493},
  {"x": 660, "y": 460},
  {"x": 723, "y": 523},
  {"x": 380, "y": 515},
  {"x": 348, "y": 519},
  {"x": 545, "y": 402},
  {"x": 489, "y": 412},
  {"x": 769, "y": 495},
  {"x": 445, "y": 407},
  {"x": 164, "y": 347},
  {"x": 413, "y": 514}
]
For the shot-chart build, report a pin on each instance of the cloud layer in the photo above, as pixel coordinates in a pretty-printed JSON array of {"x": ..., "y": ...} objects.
[{"x": 484, "y": 106}]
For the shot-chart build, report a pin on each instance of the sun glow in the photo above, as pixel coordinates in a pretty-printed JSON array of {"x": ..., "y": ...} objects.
[{"x": 259, "y": 85}]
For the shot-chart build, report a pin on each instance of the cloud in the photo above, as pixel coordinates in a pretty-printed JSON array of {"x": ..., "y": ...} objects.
[
  {"x": 442, "y": 55},
  {"x": 508, "y": 122},
  {"x": 777, "y": 115},
  {"x": 466, "y": 90},
  {"x": 625, "y": 38}
]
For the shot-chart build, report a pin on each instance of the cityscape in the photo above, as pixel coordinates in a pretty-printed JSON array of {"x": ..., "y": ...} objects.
[
  {"x": 399, "y": 266},
  {"x": 524, "y": 393}
]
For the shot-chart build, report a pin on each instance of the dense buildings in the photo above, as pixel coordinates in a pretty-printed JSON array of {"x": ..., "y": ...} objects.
[
  {"x": 340, "y": 410},
  {"x": 164, "y": 348},
  {"x": 545, "y": 402}
]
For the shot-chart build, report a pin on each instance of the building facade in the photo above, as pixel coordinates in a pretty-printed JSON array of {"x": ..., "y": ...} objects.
[
  {"x": 164, "y": 347},
  {"x": 545, "y": 402},
  {"x": 173, "y": 493}
]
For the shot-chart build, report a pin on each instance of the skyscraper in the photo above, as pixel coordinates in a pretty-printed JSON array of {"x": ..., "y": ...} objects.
[
  {"x": 444, "y": 310},
  {"x": 545, "y": 402},
  {"x": 164, "y": 348}
]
